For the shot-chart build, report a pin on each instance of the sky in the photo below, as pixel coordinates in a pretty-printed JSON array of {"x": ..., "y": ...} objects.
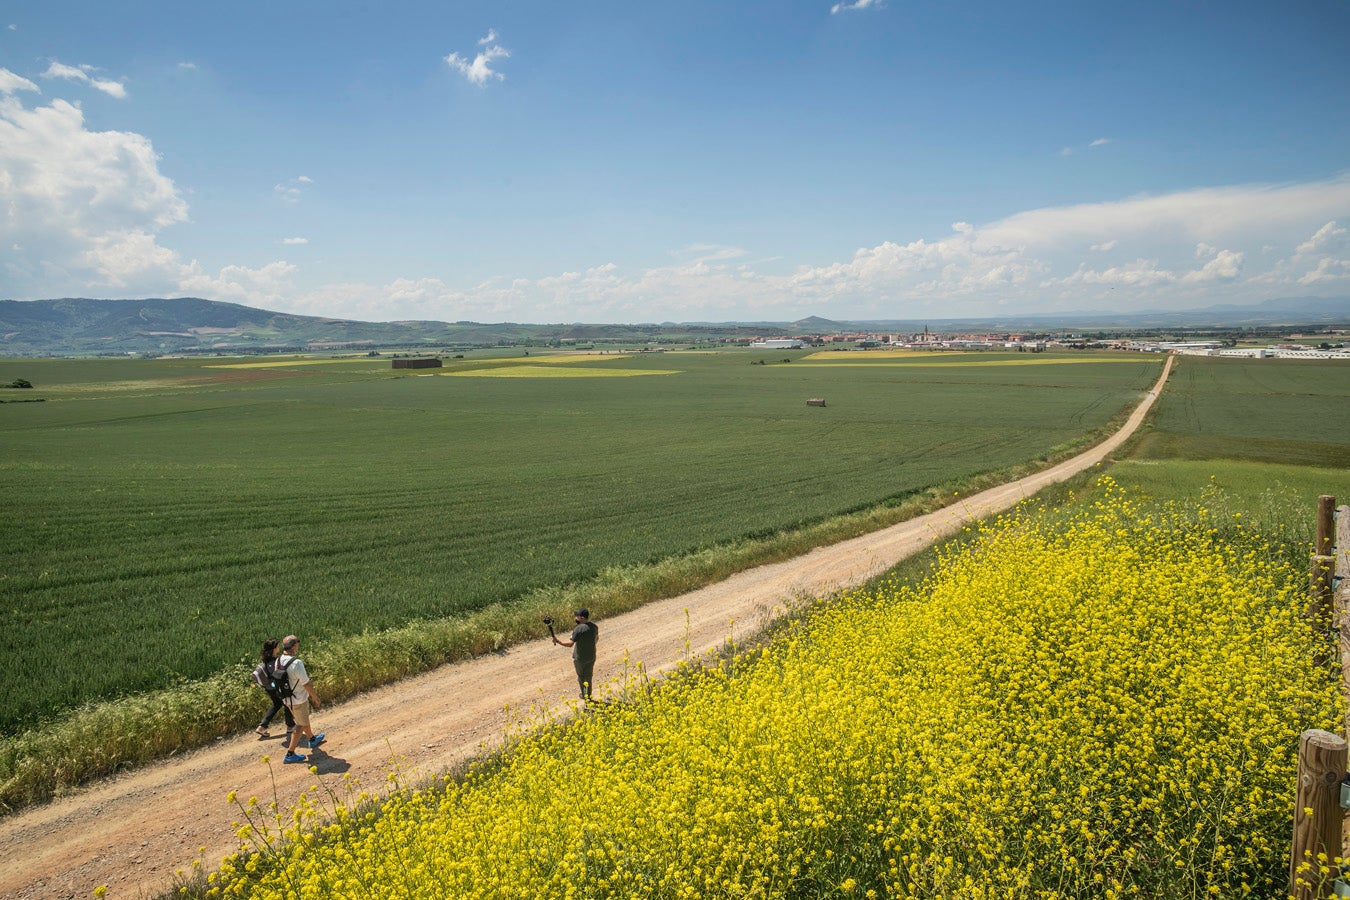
[{"x": 552, "y": 162}]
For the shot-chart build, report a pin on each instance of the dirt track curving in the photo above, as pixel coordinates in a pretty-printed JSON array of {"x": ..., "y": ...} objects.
[{"x": 133, "y": 832}]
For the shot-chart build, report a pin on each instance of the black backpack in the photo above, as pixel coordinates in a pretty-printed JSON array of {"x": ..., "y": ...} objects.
[{"x": 279, "y": 682}]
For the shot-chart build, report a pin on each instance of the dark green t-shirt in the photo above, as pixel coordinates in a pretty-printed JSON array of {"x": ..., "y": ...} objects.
[{"x": 584, "y": 637}]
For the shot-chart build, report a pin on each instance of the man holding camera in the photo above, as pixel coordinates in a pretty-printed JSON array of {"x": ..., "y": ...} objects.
[{"x": 582, "y": 642}]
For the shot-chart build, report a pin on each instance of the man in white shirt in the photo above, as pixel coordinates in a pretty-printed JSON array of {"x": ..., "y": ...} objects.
[{"x": 301, "y": 697}]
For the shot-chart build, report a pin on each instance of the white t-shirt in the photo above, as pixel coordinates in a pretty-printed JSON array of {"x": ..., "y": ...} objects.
[{"x": 298, "y": 678}]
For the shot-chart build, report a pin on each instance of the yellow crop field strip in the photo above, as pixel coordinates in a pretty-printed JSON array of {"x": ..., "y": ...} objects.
[
  {"x": 542, "y": 371},
  {"x": 285, "y": 363},
  {"x": 322, "y": 361},
  {"x": 870, "y": 354},
  {"x": 578, "y": 357},
  {"x": 120, "y": 387},
  {"x": 1106, "y": 704}
]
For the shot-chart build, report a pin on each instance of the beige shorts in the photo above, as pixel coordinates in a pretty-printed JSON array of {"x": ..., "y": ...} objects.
[{"x": 300, "y": 712}]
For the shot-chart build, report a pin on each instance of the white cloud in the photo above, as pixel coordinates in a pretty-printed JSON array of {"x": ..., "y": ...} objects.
[
  {"x": 188, "y": 66},
  {"x": 1136, "y": 273},
  {"x": 1225, "y": 265},
  {"x": 289, "y": 191},
  {"x": 85, "y": 209},
  {"x": 479, "y": 70},
  {"x": 702, "y": 254},
  {"x": 267, "y": 287},
  {"x": 1327, "y": 237},
  {"x": 82, "y": 206},
  {"x": 10, "y": 83},
  {"x": 856, "y": 4},
  {"x": 125, "y": 259},
  {"x": 82, "y": 74},
  {"x": 1144, "y": 250},
  {"x": 82, "y": 212},
  {"x": 1099, "y": 142},
  {"x": 295, "y": 241},
  {"x": 1323, "y": 258},
  {"x": 1204, "y": 214},
  {"x": 60, "y": 70},
  {"x": 1327, "y": 270}
]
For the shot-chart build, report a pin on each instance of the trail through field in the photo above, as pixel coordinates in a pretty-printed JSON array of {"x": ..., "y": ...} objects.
[{"x": 132, "y": 833}]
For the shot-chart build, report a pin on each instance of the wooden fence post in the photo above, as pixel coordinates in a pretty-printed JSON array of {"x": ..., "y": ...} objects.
[
  {"x": 1341, "y": 603},
  {"x": 1322, "y": 573},
  {"x": 1317, "y": 815},
  {"x": 1326, "y": 527},
  {"x": 1342, "y": 540},
  {"x": 1321, "y": 577}
]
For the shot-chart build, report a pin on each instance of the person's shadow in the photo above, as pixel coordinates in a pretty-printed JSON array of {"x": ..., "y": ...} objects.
[{"x": 327, "y": 765}]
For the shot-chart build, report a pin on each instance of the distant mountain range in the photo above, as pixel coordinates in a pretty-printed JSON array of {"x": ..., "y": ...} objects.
[{"x": 192, "y": 325}]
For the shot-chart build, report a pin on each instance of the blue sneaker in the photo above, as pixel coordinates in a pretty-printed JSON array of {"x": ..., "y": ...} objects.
[
  {"x": 294, "y": 758},
  {"x": 316, "y": 740}
]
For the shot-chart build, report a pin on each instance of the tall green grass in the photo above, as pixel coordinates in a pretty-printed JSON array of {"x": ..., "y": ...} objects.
[
  {"x": 1261, "y": 438},
  {"x": 1281, "y": 411}
]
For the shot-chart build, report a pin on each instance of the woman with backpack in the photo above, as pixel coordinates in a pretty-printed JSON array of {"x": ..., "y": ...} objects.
[{"x": 262, "y": 676}]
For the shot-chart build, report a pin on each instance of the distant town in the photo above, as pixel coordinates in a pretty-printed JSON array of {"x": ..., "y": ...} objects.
[{"x": 1328, "y": 343}]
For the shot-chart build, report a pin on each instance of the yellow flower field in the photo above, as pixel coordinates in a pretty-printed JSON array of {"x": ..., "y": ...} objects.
[
  {"x": 572, "y": 357},
  {"x": 1104, "y": 705},
  {"x": 315, "y": 361}
]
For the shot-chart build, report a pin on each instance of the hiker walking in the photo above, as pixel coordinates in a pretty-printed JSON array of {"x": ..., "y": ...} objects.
[
  {"x": 298, "y": 694},
  {"x": 262, "y": 677},
  {"x": 582, "y": 641}
]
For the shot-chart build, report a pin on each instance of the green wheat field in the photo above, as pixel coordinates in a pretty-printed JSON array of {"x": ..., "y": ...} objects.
[{"x": 163, "y": 516}]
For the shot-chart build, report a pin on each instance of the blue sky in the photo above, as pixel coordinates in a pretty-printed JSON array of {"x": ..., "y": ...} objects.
[{"x": 694, "y": 161}]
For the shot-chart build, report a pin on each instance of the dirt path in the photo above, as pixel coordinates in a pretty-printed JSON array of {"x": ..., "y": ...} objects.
[{"x": 132, "y": 833}]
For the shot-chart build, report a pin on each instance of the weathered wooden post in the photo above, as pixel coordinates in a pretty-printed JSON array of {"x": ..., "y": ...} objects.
[
  {"x": 1317, "y": 815},
  {"x": 1322, "y": 575},
  {"x": 1320, "y": 580},
  {"x": 1341, "y": 603},
  {"x": 1326, "y": 525}
]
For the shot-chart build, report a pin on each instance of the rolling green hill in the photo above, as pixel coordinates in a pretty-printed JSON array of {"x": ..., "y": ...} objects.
[{"x": 83, "y": 327}]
